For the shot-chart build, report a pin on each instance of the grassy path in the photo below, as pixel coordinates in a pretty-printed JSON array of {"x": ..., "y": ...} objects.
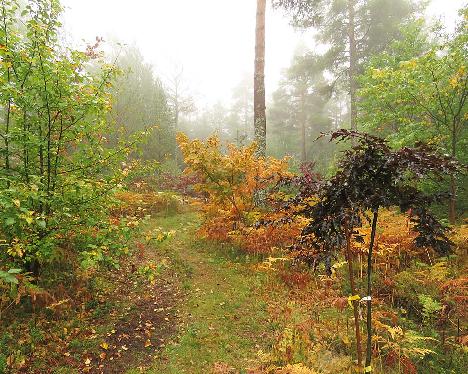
[
  {"x": 223, "y": 321},
  {"x": 183, "y": 305}
]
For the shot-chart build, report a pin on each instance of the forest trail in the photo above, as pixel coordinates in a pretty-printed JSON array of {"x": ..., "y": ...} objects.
[
  {"x": 223, "y": 320},
  {"x": 182, "y": 305}
]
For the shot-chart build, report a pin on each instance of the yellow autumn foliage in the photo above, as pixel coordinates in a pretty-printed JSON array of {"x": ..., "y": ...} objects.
[{"x": 232, "y": 182}]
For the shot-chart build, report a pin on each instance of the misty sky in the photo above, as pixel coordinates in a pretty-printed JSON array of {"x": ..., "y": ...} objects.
[{"x": 212, "y": 39}]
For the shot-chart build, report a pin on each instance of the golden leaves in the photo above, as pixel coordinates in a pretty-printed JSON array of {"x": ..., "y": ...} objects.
[
  {"x": 458, "y": 78},
  {"x": 16, "y": 249},
  {"x": 231, "y": 179},
  {"x": 411, "y": 64},
  {"x": 377, "y": 73}
]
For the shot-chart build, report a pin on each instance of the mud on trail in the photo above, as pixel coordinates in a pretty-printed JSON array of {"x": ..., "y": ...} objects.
[{"x": 141, "y": 331}]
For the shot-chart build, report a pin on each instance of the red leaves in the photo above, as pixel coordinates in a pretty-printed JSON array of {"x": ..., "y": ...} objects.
[
  {"x": 393, "y": 359},
  {"x": 295, "y": 279}
]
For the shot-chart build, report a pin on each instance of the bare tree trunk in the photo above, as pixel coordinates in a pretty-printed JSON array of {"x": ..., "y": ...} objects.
[
  {"x": 369, "y": 293},
  {"x": 303, "y": 129},
  {"x": 176, "y": 121},
  {"x": 259, "y": 80},
  {"x": 181, "y": 103},
  {"x": 355, "y": 303},
  {"x": 352, "y": 63}
]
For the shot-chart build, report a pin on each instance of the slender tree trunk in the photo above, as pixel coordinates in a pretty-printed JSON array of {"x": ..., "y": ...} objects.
[
  {"x": 453, "y": 181},
  {"x": 8, "y": 105},
  {"x": 246, "y": 122},
  {"x": 259, "y": 80},
  {"x": 25, "y": 149},
  {"x": 176, "y": 114},
  {"x": 303, "y": 129},
  {"x": 352, "y": 63},
  {"x": 176, "y": 123},
  {"x": 369, "y": 292},
  {"x": 7, "y": 134},
  {"x": 57, "y": 153},
  {"x": 47, "y": 161},
  {"x": 355, "y": 303},
  {"x": 453, "y": 200}
]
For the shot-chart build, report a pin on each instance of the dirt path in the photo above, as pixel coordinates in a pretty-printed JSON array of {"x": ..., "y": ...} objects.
[
  {"x": 223, "y": 320},
  {"x": 124, "y": 324},
  {"x": 141, "y": 316},
  {"x": 181, "y": 306},
  {"x": 141, "y": 330}
]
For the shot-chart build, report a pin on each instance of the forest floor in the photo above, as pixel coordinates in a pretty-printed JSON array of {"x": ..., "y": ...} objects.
[
  {"x": 186, "y": 305},
  {"x": 181, "y": 306}
]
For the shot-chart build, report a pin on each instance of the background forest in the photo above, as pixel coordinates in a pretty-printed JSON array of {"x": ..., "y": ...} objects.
[{"x": 142, "y": 230}]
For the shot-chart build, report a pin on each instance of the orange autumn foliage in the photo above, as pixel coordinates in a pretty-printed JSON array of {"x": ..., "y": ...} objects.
[{"x": 231, "y": 183}]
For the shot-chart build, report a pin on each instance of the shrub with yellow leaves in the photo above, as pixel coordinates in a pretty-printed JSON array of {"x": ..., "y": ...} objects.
[{"x": 231, "y": 183}]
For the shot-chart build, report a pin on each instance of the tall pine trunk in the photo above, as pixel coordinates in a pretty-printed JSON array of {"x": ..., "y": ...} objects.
[
  {"x": 353, "y": 61},
  {"x": 259, "y": 80}
]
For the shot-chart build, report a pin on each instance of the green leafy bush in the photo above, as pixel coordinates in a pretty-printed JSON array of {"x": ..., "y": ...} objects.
[
  {"x": 430, "y": 307},
  {"x": 56, "y": 171}
]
